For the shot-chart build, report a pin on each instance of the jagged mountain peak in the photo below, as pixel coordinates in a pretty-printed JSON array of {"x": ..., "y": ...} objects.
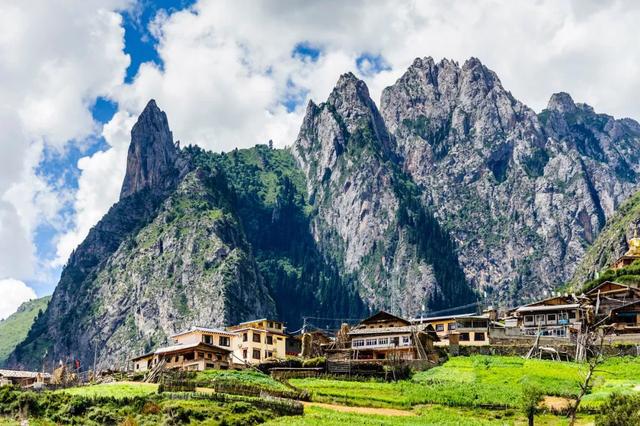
[
  {"x": 152, "y": 154},
  {"x": 561, "y": 102}
]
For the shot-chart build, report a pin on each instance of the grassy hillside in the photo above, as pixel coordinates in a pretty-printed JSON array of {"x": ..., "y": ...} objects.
[{"x": 14, "y": 329}]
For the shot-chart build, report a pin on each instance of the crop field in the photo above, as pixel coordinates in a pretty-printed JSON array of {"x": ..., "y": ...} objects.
[{"x": 481, "y": 381}]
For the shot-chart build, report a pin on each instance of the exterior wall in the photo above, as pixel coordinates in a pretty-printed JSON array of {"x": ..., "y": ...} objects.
[
  {"x": 196, "y": 336},
  {"x": 385, "y": 324},
  {"x": 255, "y": 352},
  {"x": 443, "y": 327},
  {"x": 142, "y": 364},
  {"x": 383, "y": 341},
  {"x": 551, "y": 323},
  {"x": 473, "y": 336}
]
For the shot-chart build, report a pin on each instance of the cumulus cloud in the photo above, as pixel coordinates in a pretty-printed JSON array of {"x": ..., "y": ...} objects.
[
  {"x": 230, "y": 70},
  {"x": 14, "y": 294},
  {"x": 55, "y": 60}
]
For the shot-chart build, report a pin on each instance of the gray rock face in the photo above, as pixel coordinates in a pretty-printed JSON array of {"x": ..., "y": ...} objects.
[
  {"x": 151, "y": 161},
  {"x": 357, "y": 190},
  {"x": 523, "y": 194}
]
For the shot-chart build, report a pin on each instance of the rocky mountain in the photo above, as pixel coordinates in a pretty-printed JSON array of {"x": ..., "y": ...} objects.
[
  {"x": 452, "y": 190},
  {"x": 523, "y": 194},
  {"x": 15, "y": 327}
]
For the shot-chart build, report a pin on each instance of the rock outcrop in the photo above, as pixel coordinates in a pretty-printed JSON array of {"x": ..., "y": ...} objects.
[{"x": 151, "y": 161}]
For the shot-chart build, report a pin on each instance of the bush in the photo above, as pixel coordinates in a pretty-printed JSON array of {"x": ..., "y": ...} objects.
[
  {"x": 315, "y": 362},
  {"x": 620, "y": 410}
]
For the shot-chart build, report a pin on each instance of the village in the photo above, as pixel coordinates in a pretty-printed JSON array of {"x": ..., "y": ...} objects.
[{"x": 554, "y": 328}]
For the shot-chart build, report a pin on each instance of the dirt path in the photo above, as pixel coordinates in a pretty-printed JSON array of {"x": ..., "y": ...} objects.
[{"x": 361, "y": 410}]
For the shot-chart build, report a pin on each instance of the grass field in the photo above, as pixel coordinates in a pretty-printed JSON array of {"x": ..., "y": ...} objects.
[
  {"x": 477, "y": 390},
  {"x": 479, "y": 381}
]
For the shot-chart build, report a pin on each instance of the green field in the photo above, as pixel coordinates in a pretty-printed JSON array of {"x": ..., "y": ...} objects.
[
  {"x": 480, "y": 381},
  {"x": 477, "y": 390}
]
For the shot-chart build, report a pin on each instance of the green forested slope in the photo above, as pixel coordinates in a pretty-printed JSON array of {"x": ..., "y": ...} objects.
[{"x": 14, "y": 328}]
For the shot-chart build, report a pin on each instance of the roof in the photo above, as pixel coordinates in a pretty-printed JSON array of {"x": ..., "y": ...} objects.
[
  {"x": 181, "y": 347},
  {"x": 176, "y": 348},
  {"x": 547, "y": 307},
  {"x": 259, "y": 320},
  {"x": 430, "y": 319},
  {"x": 382, "y": 317},
  {"x": 607, "y": 283},
  {"x": 391, "y": 330},
  {"x": 204, "y": 330},
  {"x": 18, "y": 374},
  {"x": 626, "y": 306}
]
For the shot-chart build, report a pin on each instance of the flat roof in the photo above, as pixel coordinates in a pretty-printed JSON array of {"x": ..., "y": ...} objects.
[
  {"x": 547, "y": 307},
  {"x": 258, "y": 320},
  {"x": 20, "y": 374},
  {"x": 205, "y": 330},
  {"x": 429, "y": 319},
  {"x": 180, "y": 347}
]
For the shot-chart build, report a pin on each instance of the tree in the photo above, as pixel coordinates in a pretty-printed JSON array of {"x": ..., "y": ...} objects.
[
  {"x": 620, "y": 410},
  {"x": 590, "y": 349},
  {"x": 530, "y": 397}
]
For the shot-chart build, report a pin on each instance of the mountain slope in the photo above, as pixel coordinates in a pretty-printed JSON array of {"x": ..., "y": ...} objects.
[
  {"x": 367, "y": 214},
  {"x": 15, "y": 327},
  {"x": 523, "y": 195}
]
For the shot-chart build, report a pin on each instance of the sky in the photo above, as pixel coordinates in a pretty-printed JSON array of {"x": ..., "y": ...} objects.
[{"x": 74, "y": 75}]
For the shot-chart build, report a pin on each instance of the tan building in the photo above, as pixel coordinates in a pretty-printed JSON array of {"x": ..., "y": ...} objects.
[
  {"x": 443, "y": 326},
  {"x": 23, "y": 378},
  {"x": 258, "y": 340},
  {"x": 196, "y": 356},
  {"x": 210, "y": 336},
  {"x": 473, "y": 330},
  {"x": 384, "y": 336}
]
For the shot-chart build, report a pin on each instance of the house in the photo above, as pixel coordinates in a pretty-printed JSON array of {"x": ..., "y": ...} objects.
[
  {"x": 473, "y": 330},
  {"x": 258, "y": 340},
  {"x": 185, "y": 356},
  {"x": 23, "y": 378},
  {"x": 555, "y": 316},
  {"x": 625, "y": 319},
  {"x": 211, "y": 336},
  {"x": 443, "y": 326},
  {"x": 386, "y": 336},
  {"x": 631, "y": 255}
]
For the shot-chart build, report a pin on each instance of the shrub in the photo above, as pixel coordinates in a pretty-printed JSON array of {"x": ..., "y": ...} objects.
[
  {"x": 315, "y": 362},
  {"x": 620, "y": 410}
]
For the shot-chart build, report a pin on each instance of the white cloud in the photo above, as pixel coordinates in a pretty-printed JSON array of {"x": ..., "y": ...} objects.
[
  {"x": 228, "y": 66},
  {"x": 14, "y": 293},
  {"x": 55, "y": 59}
]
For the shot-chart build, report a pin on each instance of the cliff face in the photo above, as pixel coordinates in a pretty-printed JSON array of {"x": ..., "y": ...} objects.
[
  {"x": 367, "y": 213},
  {"x": 522, "y": 194}
]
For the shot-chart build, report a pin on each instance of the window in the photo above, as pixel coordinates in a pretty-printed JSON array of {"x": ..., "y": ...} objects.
[
  {"x": 572, "y": 314},
  {"x": 278, "y": 325},
  {"x": 551, "y": 317},
  {"x": 224, "y": 341},
  {"x": 256, "y": 354},
  {"x": 464, "y": 337},
  {"x": 256, "y": 337},
  {"x": 451, "y": 326},
  {"x": 439, "y": 327},
  {"x": 357, "y": 343},
  {"x": 244, "y": 337},
  {"x": 269, "y": 340},
  {"x": 219, "y": 357},
  {"x": 244, "y": 353},
  {"x": 270, "y": 324},
  {"x": 209, "y": 365},
  {"x": 207, "y": 339},
  {"x": 372, "y": 342},
  {"x": 200, "y": 354},
  {"x": 478, "y": 337},
  {"x": 383, "y": 341},
  {"x": 268, "y": 354},
  {"x": 528, "y": 318},
  {"x": 137, "y": 366},
  {"x": 405, "y": 340}
]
